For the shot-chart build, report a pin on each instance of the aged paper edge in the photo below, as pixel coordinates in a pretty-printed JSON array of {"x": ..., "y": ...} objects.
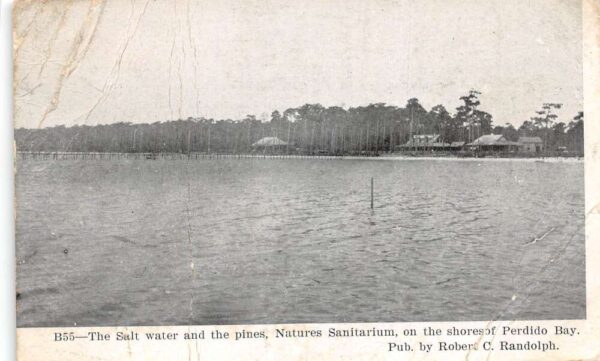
[{"x": 39, "y": 344}]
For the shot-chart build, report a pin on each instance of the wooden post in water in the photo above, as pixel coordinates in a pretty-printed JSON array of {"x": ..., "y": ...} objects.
[{"x": 371, "y": 192}]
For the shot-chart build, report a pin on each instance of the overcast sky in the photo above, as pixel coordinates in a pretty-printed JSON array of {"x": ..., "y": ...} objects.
[{"x": 90, "y": 62}]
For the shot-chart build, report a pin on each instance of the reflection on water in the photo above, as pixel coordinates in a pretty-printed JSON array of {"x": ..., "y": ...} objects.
[{"x": 284, "y": 241}]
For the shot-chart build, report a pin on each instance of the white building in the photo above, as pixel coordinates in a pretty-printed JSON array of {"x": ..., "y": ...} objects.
[{"x": 531, "y": 145}]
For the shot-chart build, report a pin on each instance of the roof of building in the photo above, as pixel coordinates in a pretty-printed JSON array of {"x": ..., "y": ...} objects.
[
  {"x": 530, "y": 140},
  {"x": 269, "y": 142},
  {"x": 492, "y": 139},
  {"x": 423, "y": 140},
  {"x": 425, "y": 136}
]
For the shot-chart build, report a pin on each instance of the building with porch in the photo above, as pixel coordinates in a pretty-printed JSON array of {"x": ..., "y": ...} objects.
[
  {"x": 531, "y": 145},
  {"x": 493, "y": 143}
]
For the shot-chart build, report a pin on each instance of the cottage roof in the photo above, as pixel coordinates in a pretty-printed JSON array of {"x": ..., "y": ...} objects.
[
  {"x": 269, "y": 142},
  {"x": 423, "y": 140},
  {"x": 529, "y": 140},
  {"x": 425, "y": 136},
  {"x": 491, "y": 139}
]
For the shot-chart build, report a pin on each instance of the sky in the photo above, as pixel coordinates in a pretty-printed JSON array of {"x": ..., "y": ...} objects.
[{"x": 141, "y": 61}]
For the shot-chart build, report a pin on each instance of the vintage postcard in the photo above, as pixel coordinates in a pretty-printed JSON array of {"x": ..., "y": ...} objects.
[{"x": 266, "y": 179}]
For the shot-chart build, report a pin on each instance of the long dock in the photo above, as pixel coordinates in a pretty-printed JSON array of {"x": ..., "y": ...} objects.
[{"x": 154, "y": 156}]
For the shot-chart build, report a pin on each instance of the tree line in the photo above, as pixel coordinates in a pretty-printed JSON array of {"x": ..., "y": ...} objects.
[{"x": 310, "y": 128}]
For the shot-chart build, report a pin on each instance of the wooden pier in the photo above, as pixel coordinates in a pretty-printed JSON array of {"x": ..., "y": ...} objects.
[{"x": 167, "y": 156}]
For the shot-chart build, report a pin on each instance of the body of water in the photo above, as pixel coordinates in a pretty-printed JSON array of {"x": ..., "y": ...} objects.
[{"x": 171, "y": 242}]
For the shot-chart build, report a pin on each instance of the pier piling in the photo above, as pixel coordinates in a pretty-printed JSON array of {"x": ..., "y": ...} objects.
[{"x": 371, "y": 192}]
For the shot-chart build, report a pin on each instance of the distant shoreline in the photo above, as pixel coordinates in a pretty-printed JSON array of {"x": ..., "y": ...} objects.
[{"x": 25, "y": 155}]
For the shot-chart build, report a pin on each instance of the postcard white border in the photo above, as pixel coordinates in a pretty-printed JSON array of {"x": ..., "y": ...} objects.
[{"x": 38, "y": 344}]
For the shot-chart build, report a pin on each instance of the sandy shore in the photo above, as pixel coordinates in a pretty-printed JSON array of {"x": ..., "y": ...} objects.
[{"x": 487, "y": 159}]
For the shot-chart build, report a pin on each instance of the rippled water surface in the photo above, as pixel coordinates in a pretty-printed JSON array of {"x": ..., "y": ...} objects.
[{"x": 142, "y": 242}]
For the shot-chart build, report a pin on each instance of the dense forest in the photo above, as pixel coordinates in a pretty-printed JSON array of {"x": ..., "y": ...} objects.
[{"x": 310, "y": 128}]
